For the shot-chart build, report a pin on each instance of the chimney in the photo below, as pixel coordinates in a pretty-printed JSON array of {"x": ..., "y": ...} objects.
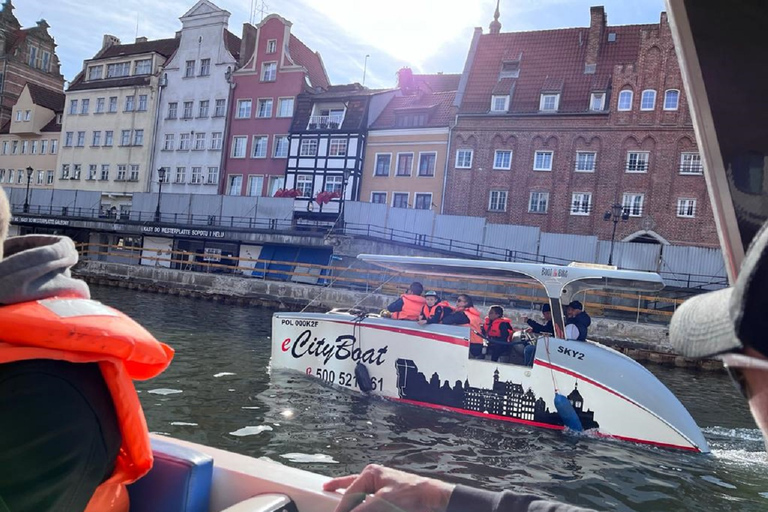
[
  {"x": 597, "y": 23},
  {"x": 108, "y": 41},
  {"x": 405, "y": 79},
  {"x": 141, "y": 39},
  {"x": 247, "y": 43}
]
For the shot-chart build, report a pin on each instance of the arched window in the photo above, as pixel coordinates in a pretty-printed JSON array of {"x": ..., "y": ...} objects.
[
  {"x": 648, "y": 100},
  {"x": 625, "y": 100},
  {"x": 671, "y": 99}
]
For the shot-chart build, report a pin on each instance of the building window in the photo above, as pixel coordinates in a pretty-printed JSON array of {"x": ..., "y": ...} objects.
[
  {"x": 205, "y": 67},
  {"x": 499, "y": 103},
  {"x": 143, "y": 67},
  {"x": 581, "y": 203},
  {"x": 125, "y": 138},
  {"x": 379, "y": 197},
  {"x": 633, "y": 204},
  {"x": 400, "y": 200},
  {"x": 15, "y": 144},
  {"x": 104, "y": 176},
  {"x": 304, "y": 184},
  {"x": 690, "y": 163},
  {"x": 625, "y": 100},
  {"x": 238, "y": 147},
  {"x": 43, "y": 147},
  {"x": 112, "y": 104},
  {"x": 220, "y": 109},
  {"x": 68, "y": 139},
  {"x": 383, "y": 163},
  {"x": 265, "y": 108},
  {"x": 134, "y": 173},
  {"x": 72, "y": 110},
  {"x": 199, "y": 141},
  {"x": 189, "y": 71},
  {"x": 271, "y": 45},
  {"x": 549, "y": 102},
  {"x": 334, "y": 184},
  {"x": 497, "y": 201},
  {"x": 202, "y": 110},
  {"x": 84, "y": 105},
  {"x": 40, "y": 177},
  {"x": 25, "y": 143},
  {"x": 539, "y": 202},
  {"x": 181, "y": 174},
  {"x": 95, "y": 72},
  {"x": 107, "y": 139},
  {"x": 281, "y": 146},
  {"x": 20, "y": 175},
  {"x": 585, "y": 161},
  {"x": 118, "y": 70},
  {"x": 169, "y": 142},
  {"x": 308, "y": 147},
  {"x": 216, "y": 138},
  {"x": 502, "y": 159},
  {"x": 637, "y": 161},
  {"x": 597, "y": 101},
  {"x": 54, "y": 146},
  {"x": 138, "y": 137},
  {"x": 142, "y": 103},
  {"x": 197, "y": 177},
  {"x": 269, "y": 71},
  {"x": 422, "y": 201},
  {"x": 34, "y": 147},
  {"x": 129, "y": 103},
  {"x": 671, "y": 99},
  {"x": 427, "y": 164},
  {"x": 188, "y": 107},
  {"x": 235, "y": 185},
  {"x": 173, "y": 108},
  {"x": 243, "y": 109},
  {"x": 96, "y": 138},
  {"x": 259, "y": 146},
  {"x": 464, "y": 159},
  {"x": 213, "y": 176},
  {"x": 75, "y": 171},
  {"x": 65, "y": 171},
  {"x": 542, "y": 161},
  {"x": 404, "y": 164},
  {"x": 255, "y": 185},
  {"x": 686, "y": 208},
  {"x": 337, "y": 147},
  {"x": 285, "y": 107},
  {"x": 185, "y": 141},
  {"x": 49, "y": 177},
  {"x": 99, "y": 105},
  {"x": 275, "y": 184},
  {"x": 648, "y": 100}
]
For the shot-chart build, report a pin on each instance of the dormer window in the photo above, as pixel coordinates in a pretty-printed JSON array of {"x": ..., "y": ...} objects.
[
  {"x": 95, "y": 72},
  {"x": 597, "y": 101},
  {"x": 500, "y": 103},
  {"x": 328, "y": 118},
  {"x": 510, "y": 69},
  {"x": 143, "y": 67},
  {"x": 549, "y": 102}
]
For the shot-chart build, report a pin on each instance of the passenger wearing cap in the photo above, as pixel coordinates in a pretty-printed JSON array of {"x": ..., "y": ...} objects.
[
  {"x": 731, "y": 325},
  {"x": 547, "y": 327},
  {"x": 579, "y": 319},
  {"x": 434, "y": 310}
]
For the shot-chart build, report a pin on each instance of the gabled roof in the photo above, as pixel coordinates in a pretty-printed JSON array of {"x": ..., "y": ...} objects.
[
  {"x": 552, "y": 61},
  {"x": 48, "y": 98},
  {"x": 355, "y": 97},
  {"x": 438, "y": 107},
  {"x": 312, "y": 61},
  {"x": 52, "y": 126},
  {"x": 164, "y": 47}
]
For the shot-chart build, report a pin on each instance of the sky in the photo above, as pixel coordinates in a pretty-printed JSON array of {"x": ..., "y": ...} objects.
[{"x": 429, "y": 36}]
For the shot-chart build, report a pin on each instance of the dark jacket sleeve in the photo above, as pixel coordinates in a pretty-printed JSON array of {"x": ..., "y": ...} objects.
[
  {"x": 537, "y": 327},
  {"x": 505, "y": 329},
  {"x": 436, "y": 316},
  {"x": 456, "y": 318},
  {"x": 469, "y": 499},
  {"x": 395, "y": 306}
]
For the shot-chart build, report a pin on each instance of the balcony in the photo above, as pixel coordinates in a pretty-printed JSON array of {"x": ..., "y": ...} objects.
[{"x": 331, "y": 122}]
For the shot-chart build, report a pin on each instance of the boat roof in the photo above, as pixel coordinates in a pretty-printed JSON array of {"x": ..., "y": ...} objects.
[{"x": 557, "y": 280}]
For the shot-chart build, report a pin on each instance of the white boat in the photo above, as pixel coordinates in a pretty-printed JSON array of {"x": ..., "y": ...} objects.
[{"x": 429, "y": 366}]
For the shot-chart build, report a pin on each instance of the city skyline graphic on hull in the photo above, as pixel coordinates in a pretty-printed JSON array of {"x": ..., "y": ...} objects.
[{"x": 505, "y": 398}]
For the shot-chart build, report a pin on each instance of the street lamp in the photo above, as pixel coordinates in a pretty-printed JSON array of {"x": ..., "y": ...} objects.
[
  {"x": 160, "y": 179},
  {"x": 30, "y": 170},
  {"x": 615, "y": 214}
]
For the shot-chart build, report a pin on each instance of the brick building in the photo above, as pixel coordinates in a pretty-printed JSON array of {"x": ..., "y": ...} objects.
[
  {"x": 555, "y": 126},
  {"x": 26, "y": 55}
]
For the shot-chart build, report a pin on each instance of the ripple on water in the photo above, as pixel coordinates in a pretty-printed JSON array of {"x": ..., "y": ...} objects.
[
  {"x": 309, "y": 458},
  {"x": 251, "y": 431}
]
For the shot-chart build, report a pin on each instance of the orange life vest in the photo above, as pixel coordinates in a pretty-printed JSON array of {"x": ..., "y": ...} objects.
[
  {"x": 493, "y": 328},
  {"x": 84, "y": 331},
  {"x": 412, "y": 305},
  {"x": 427, "y": 311},
  {"x": 475, "y": 323}
]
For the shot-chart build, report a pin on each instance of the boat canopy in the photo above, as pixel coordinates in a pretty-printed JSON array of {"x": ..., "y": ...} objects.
[{"x": 560, "y": 282}]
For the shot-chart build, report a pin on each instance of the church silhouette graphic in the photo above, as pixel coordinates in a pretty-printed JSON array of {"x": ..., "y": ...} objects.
[{"x": 506, "y": 399}]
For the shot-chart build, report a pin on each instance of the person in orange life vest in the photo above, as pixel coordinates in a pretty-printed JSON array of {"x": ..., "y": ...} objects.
[
  {"x": 497, "y": 330},
  {"x": 409, "y": 305},
  {"x": 465, "y": 314},
  {"x": 72, "y": 432},
  {"x": 434, "y": 310}
]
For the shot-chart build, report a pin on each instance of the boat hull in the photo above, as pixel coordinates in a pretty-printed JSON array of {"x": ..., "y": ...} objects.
[{"x": 428, "y": 366}]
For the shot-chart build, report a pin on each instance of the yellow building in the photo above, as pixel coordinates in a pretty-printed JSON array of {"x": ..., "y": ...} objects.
[
  {"x": 110, "y": 116},
  {"x": 29, "y": 141},
  {"x": 407, "y": 145}
]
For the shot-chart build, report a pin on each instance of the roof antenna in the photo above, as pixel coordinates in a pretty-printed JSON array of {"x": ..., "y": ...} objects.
[
  {"x": 365, "y": 67},
  {"x": 137, "y": 24}
]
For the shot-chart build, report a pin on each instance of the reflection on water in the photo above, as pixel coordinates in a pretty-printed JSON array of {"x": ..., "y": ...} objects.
[{"x": 219, "y": 391}]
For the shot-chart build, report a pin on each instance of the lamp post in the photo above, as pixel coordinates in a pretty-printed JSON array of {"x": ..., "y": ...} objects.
[
  {"x": 30, "y": 170},
  {"x": 160, "y": 179},
  {"x": 616, "y": 213}
]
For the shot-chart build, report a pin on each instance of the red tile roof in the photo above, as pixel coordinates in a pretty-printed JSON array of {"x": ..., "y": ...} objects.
[
  {"x": 439, "y": 107},
  {"x": 439, "y": 82},
  {"x": 303, "y": 56},
  {"x": 552, "y": 60}
]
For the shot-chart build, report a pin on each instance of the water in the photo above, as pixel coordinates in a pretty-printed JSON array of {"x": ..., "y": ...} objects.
[{"x": 219, "y": 391}]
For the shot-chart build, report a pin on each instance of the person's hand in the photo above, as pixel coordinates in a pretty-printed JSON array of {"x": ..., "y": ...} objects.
[
  {"x": 525, "y": 319},
  {"x": 385, "y": 313},
  {"x": 379, "y": 489},
  {"x": 422, "y": 322}
]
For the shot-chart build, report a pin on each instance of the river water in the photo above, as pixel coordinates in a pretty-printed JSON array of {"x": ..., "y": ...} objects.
[{"x": 219, "y": 391}]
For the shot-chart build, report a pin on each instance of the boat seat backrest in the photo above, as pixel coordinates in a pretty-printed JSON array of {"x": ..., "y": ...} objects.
[{"x": 180, "y": 481}]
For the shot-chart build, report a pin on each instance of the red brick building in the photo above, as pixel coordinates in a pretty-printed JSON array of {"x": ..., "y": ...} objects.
[
  {"x": 26, "y": 55},
  {"x": 556, "y": 126}
]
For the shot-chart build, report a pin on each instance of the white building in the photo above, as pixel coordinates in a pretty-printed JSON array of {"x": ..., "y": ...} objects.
[{"x": 193, "y": 104}]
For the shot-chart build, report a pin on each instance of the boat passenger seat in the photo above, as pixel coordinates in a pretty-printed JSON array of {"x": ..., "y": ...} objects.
[
  {"x": 179, "y": 481},
  {"x": 264, "y": 503}
]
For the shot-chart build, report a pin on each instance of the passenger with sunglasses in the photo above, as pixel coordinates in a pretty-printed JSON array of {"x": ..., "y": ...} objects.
[{"x": 465, "y": 314}]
